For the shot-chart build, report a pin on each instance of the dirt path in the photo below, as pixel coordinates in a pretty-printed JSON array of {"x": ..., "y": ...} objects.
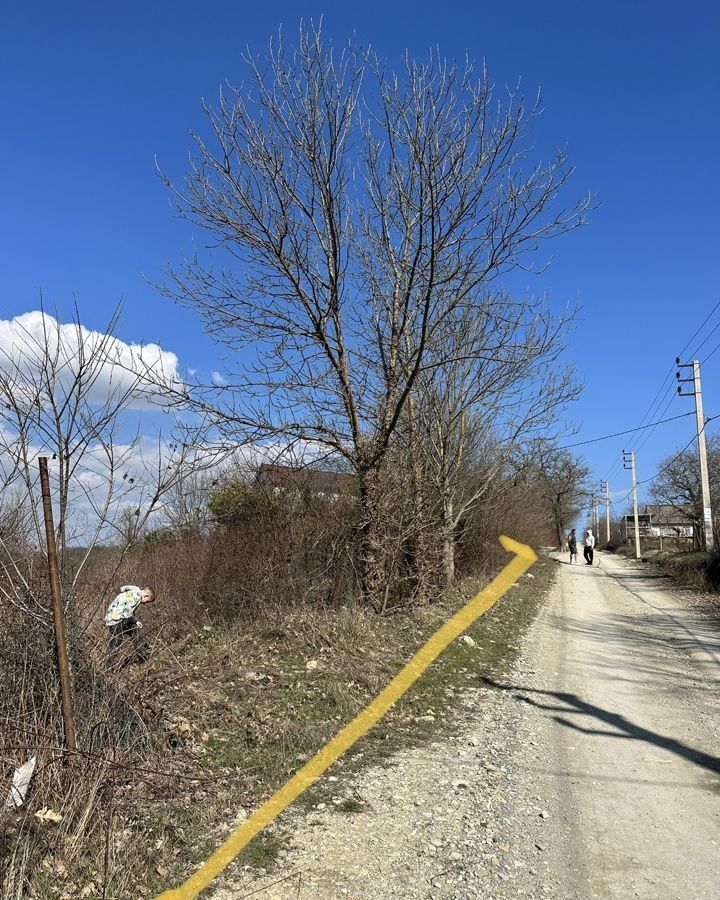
[{"x": 593, "y": 771}]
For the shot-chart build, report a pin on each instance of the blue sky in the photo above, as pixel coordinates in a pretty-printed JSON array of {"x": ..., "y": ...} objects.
[{"x": 91, "y": 94}]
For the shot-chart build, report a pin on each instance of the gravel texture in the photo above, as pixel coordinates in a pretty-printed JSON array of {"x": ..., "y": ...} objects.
[{"x": 590, "y": 771}]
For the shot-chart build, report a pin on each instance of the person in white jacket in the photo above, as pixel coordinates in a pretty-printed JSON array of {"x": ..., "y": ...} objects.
[{"x": 589, "y": 547}]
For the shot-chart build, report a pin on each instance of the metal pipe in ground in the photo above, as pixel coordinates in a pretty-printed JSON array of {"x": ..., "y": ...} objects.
[{"x": 58, "y": 613}]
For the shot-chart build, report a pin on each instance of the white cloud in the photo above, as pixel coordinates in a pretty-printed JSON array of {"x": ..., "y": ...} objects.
[
  {"x": 102, "y": 487},
  {"x": 26, "y": 341},
  {"x": 217, "y": 379}
]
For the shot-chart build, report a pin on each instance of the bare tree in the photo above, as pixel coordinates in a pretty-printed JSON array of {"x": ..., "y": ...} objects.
[
  {"x": 677, "y": 484},
  {"x": 355, "y": 213},
  {"x": 562, "y": 480},
  {"x": 185, "y": 510},
  {"x": 497, "y": 384},
  {"x": 65, "y": 392}
]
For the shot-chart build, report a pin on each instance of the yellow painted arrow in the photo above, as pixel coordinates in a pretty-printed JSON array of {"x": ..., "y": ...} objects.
[{"x": 362, "y": 723}]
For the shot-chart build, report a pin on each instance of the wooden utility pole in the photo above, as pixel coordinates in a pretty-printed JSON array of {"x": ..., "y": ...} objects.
[
  {"x": 629, "y": 463},
  {"x": 58, "y": 614},
  {"x": 702, "y": 449}
]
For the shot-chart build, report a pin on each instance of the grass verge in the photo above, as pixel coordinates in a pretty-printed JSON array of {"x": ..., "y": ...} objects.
[
  {"x": 279, "y": 707},
  {"x": 240, "y": 707}
]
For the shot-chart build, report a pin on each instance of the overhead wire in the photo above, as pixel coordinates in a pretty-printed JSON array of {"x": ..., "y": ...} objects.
[
  {"x": 707, "y": 338},
  {"x": 670, "y": 461},
  {"x": 710, "y": 354},
  {"x": 654, "y": 405},
  {"x": 693, "y": 353},
  {"x": 663, "y": 390},
  {"x": 657, "y": 400},
  {"x": 615, "y": 470},
  {"x": 699, "y": 329},
  {"x": 666, "y": 388},
  {"x": 651, "y": 428},
  {"x": 606, "y": 437}
]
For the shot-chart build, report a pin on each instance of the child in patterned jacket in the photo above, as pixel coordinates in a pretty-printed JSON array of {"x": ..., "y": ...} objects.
[{"x": 120, "y": 619}]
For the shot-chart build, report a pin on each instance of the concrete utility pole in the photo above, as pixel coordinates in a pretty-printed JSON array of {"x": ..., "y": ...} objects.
[
  {"x": 604, "y": 486},
  {"x": 629, "y": 463},
  {"x": 702, "y": 449},
  {"x": 58, "y": 614}
]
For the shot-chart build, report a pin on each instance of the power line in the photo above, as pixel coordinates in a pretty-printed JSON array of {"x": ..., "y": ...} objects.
[
  {"x": 654, "y": 405},
  {"x": 706, "y": 339},
  {"x": 698, "y": 330},
  {"x": 670, "y": 461},
  {"x": 711, "y": 353},
  {"x": 663, "y": 390},
  {"x": 607, "y": 437},
  {"x": 659, "y": 396},
  {"x": 651, "y": 429}
]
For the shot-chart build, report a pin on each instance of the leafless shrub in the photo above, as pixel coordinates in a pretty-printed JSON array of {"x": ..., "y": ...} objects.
[
  {"x": 33, "y": 853},
  {"x": 74, "y": 395},
  {"x": 677, "y": 485}
]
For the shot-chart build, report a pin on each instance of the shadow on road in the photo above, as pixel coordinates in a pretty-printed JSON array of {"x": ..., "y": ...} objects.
[
  {"x": 625, "y": 729},
  {"x": 640, "y": 638}
]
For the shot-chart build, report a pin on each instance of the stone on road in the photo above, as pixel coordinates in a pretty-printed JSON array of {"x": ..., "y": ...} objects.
[{"x": 592, "y": 770}]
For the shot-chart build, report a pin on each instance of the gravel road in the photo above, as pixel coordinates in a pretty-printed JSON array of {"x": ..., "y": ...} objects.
[{"x": 591, "y": 771}]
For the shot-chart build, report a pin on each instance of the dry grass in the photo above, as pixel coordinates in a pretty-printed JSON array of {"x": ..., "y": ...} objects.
[
  {"x": 235, "y": 698},
  {"x": 255, "y": 711},
  {"x": 689, "y": 569},
  {"x": 38, "y": 857}
]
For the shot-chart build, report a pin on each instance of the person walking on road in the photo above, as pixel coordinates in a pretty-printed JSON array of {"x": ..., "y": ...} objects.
[
  {"x": 589, "y": 547},
  {"x": 572, "y": 546}
]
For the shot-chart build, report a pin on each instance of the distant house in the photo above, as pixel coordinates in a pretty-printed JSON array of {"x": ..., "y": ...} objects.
[
  {"x": 668, "y": 521},
  {"x": 629, "y": 524},
  {"x": 303, "y": 480},
  {"x": 661, "y": 521}
]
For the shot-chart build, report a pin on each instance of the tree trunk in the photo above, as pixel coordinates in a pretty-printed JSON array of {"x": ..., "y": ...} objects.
[
  {"x": 559, "y": 528},
  {"x": 371, "y": 568},
  {"x": 422, "y": 552},
  {"x": 448, "y": 549}
]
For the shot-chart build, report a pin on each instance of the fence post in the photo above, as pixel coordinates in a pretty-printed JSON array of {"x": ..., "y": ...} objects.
[{"x": 58, "y": 614}]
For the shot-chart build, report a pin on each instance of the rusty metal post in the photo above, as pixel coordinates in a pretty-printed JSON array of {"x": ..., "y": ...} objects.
[{"x": 58, "y": 614}]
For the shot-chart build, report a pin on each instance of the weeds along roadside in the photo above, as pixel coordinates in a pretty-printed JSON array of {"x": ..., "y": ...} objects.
[
  {"x": 218, "y": 720},
  {"x": 63, "y": 824},
  {"x": 690, "y": 570},
  {"x": 257, "y": 706},
  {"x": 688, "y": 575},
  {"x": 686, "y": 566}
]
